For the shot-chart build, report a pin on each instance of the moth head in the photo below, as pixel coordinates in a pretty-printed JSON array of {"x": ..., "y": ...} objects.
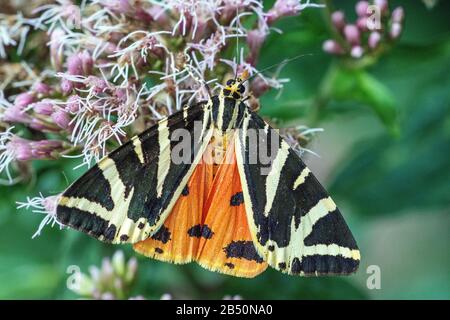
[{"x": 235, "y": 88}]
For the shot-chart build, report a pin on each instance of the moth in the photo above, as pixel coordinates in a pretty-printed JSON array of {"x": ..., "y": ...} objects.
[{"x": 220, "y": 206}]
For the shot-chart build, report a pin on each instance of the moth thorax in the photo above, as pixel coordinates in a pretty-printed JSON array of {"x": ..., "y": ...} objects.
[{"x": 217, "y": 148}]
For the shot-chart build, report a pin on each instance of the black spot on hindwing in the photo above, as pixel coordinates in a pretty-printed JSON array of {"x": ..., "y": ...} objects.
[
  {"x": 237, "y": 199},
  {"x": 199, "y": 231},
  {"x": 163, "y": 234},
  {"x": 242, "y": 250}
]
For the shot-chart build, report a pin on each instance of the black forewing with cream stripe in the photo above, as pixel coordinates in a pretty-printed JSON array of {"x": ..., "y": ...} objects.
[
  {"x": 127, "y": 196},
  {"x": 295, "y": 225}
]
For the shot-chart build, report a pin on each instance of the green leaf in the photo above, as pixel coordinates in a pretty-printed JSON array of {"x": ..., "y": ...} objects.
[{"x": 360, "y": 86}]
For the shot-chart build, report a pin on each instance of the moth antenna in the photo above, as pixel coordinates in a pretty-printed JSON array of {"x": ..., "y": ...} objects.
[
  {"x": 237, "y": 42},
  {"x": 195, "y": 77},
  {"x": 285, "y": 61},
  {"x": 65, "y": 178}
]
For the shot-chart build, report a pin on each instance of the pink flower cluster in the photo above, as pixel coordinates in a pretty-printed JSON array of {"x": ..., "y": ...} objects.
[
  {"x": 114, "y": 67},
  {"x": 375, "y": 25},
  {"x": 97, "y": 72}
]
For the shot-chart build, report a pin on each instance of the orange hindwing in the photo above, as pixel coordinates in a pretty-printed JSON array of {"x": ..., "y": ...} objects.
[{"x": 208, "y": 223}]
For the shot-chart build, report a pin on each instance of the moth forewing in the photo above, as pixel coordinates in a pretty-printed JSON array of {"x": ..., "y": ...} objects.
[
  {"x": 296, "y": 227},
  {"x": 126, "y": 197}
]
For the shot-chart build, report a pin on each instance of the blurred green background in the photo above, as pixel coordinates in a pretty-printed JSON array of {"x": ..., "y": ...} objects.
[{"x": 393, "y": 189}]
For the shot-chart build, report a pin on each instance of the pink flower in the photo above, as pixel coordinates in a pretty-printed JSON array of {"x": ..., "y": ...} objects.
[
  {"x": 87, "y": 62},
  {"x": 361, "y": 23},
  {"x": 286, "y": 8},
  {"x": 361, "y": 8},
  {"x": 398, "y": 15},
  {"x": 338, "y": 19},
  {"x": 25, "y": 150},
  {"x": 396, "y": 30},
  {"x": 61, "y": 118},
  {"x": 75, "y": 65},
  {"x": 24, "y": 99},
  {"x": 158, "y": 14},
  {"x": 255, "y": 40},
  {"x": 357, "y": 52},
  {"x": 332, "y": 46},
  {"x": 73, "y": 104},
  {"x": 118, "y": 6},
  {"x": 21, "y": 148},
  {"x": 374, "y": 39},
  {"x": 96, "y": 84},
  {"x": 66, "y": 86},
  {"x": 15, "y": 114},
  {"x": 259, "y": 86},
  {"x": 44, "y": 107},
  {"x": 42, "y": 88},
  {"x": 352, "y": 34}
]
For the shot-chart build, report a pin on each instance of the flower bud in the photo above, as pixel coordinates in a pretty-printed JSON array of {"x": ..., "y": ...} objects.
[
  {"x": 338, "y": 19},
  {"x": 361, "y": 8},
  {"x": 21, "y": 148},
  {"x": 396, "y": 30},
  {"x": 398, "y": 15},
  {"x": 357, "y": 52},
  {"x": 75, "y": 65},
  {"x": 66, "y": 86},
  {"x": 259, "y": 87},
  {"x": 283, "y": 8},
  {"x": 44, "y": 107},
  {"x": 383, "y": 5},
  {"x": 132, "y": 266},
  {"x": 361, "y": 23},
  {"x": 374, "y": 39},
  {"x": 352, "y": 34},
  {"x": 255, "y": 39},
  {"x": 42, "y": 88},
  {"x": 15, "y": 114},
  {"x": 24, "y": 99},
  {"x": 118, "y": 6},
  {"x": 331, "y": 46},
  {"x": 118, "y": 262},
  {"x": 61, "y": 119},
  {"x": 73, "y": 104},
  {"x": 87, "y": 62},
  {"x": 158, "y": 14},
  {"x": 97, "y": 84}
]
